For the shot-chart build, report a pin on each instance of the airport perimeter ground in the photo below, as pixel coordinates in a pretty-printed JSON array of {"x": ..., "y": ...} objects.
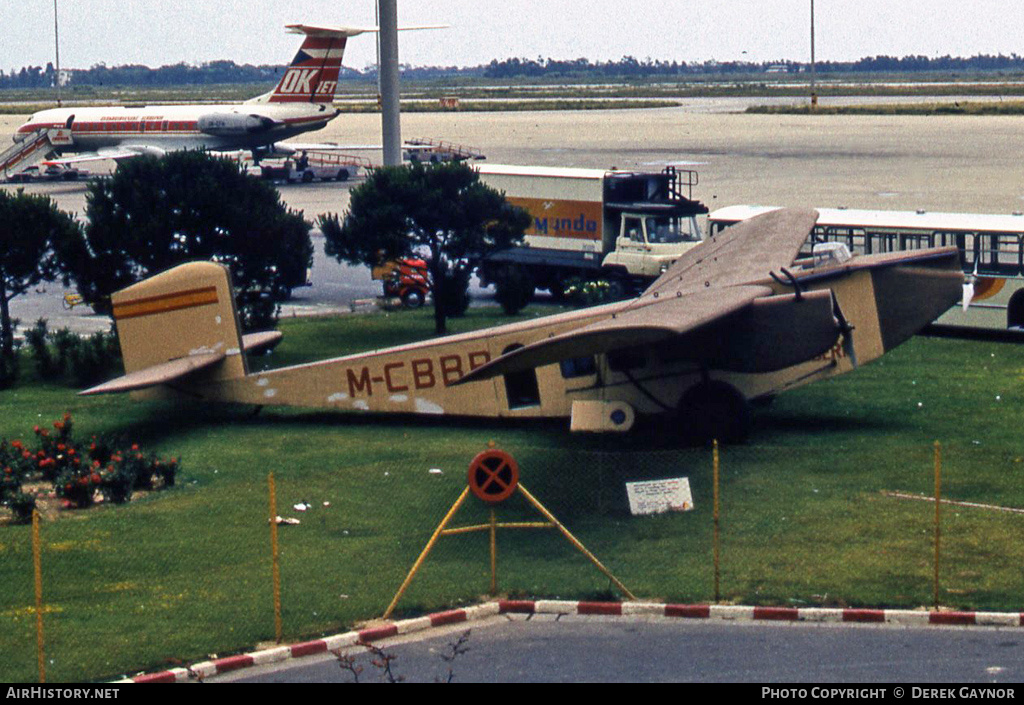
[
  {"x": 960, "y": 163},
  {"x": 935, "y": 162},
  {"x": 897, "y": 162}
]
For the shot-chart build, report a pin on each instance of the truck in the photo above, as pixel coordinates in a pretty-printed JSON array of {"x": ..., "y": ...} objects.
[{"x": 625, "y": 227}]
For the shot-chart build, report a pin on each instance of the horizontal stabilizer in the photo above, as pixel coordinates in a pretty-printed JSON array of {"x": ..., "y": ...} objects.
[
  {"x": 257, "y": 343},
  {"x": 157, "y": 374}
]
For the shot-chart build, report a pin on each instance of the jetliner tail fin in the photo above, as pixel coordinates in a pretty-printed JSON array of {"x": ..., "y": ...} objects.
[{"x": 312, "y": 76}]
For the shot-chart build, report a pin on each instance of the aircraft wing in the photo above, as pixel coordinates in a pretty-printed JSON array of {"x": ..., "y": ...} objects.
[
  {"x": 746, "y": 252},
  {"x": 114, "y": 153},
  {"x": 631, "y": 327},
  {"x": 293, "y": 147},
  {"x": 709, "y": 309}
]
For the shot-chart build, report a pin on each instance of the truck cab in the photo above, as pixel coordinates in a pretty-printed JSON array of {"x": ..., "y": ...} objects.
[{"x": 651, "y": 239}]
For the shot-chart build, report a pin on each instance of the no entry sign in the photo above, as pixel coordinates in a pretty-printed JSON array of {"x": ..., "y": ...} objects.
[{"x": 493, "y": 476}]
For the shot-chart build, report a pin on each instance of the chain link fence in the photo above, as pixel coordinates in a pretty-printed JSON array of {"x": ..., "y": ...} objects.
[{"x": 189, "y": 573}]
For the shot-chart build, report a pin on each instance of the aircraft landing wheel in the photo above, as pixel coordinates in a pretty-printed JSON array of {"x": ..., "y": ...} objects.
[{"x": 714, "y": 410}]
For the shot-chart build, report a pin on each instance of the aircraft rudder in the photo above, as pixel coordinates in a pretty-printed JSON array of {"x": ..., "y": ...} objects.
[
  {"x": 185, "y": 311},
  {"x": 312, "y": 75}
]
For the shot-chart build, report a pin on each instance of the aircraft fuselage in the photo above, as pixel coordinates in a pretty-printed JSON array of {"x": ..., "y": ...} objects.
[{"x": 163, "y": 128}]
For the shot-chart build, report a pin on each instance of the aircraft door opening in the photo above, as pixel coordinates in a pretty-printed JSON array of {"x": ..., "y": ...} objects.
[{"x": 521, "y": 388}]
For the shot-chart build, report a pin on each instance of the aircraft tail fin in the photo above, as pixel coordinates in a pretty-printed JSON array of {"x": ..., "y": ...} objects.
[
  {"x": 179, "y": 324},
  {"x": 312, "y": 76}
]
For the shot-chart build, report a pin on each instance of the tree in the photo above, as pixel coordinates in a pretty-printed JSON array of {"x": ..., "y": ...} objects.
[
  {"x": 30, "y": 227},
  {"x": 442, "y": 212},
  {"x": 157, "y": 212}
]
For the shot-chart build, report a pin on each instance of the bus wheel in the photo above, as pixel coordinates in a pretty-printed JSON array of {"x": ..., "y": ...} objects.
[
  {"x": 714, "y": 410},
  {"x": 1015, "y": 310},
  {"x": 342, "y": 174}
]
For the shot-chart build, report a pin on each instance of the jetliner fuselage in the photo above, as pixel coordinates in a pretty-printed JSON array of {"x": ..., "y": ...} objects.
[{"x": 162, "y": 128}]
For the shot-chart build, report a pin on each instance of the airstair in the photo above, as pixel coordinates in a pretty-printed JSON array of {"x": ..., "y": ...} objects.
[
  {"x": 430, "y": 150},
  {"x": 21, "y": 154},
  {"x": 327, "y": 159}
]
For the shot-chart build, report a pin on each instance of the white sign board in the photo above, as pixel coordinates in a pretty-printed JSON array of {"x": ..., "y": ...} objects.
[{"x": 658, "y": 496}]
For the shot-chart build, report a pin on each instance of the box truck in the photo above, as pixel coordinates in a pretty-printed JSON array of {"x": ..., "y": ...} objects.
[{"x": 626, "y": 227}]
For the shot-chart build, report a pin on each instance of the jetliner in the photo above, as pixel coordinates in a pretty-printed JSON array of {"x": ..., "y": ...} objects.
[
  {"x": 740, "y": 317},
  {"x": 301, "y": 102}
]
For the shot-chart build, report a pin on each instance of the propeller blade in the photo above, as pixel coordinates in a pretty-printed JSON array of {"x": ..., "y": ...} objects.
[
  {"x": 846, "y": 330},
  {"x": 969, "y": 286},
  {"x": 968, "y": 293}
]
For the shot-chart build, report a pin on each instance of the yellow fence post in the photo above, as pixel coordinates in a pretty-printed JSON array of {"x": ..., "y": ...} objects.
[
  {"x": 275, "y": 560},
  {"x": 938, "y": 504},
  {"x": 37, "y": 566},
  {"x": 494, "y": 553},
  {"x": 715, "y": 533}
]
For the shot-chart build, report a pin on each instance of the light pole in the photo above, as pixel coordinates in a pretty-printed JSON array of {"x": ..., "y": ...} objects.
[
  {"x": 387, "y": 75},
  {"x": 814, "y": 93},
  {"x": 56, "y": 46}
]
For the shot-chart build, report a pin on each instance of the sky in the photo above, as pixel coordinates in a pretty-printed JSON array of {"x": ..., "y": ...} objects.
[{"x": 158, "y": 32}]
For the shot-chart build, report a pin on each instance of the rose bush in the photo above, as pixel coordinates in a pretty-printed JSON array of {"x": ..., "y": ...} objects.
[{"x": 79, "y": 474}]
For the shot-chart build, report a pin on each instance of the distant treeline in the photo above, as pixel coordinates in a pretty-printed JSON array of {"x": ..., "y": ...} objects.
[
  {"x": 182, "y": 74},
  {"x": 630, "y": 66},
  {"x": 221, "y": 72}
]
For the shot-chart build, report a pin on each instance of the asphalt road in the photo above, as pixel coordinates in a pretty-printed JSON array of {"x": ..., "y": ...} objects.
[
  {"x": 617, "y": 649},
  {"x": 336, "y": 287}
]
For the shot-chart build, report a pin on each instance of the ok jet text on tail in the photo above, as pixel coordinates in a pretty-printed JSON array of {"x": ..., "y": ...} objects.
[{"x": 738, "y": 318}]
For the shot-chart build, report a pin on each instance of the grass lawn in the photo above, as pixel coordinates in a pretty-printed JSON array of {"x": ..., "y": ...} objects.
[{"x": 182, "y": 574}]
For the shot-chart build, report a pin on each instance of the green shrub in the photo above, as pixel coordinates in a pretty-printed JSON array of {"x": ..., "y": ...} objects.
[
  {"x": 15, "y": 460},
  {"x": 72, "y": 359},
  {"x": 513, "y": 289}
]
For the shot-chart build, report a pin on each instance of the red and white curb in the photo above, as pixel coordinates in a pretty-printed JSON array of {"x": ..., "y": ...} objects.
[{"x": 206, "y": 669}]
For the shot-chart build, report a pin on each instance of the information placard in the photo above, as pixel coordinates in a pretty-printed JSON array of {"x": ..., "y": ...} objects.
[{"x": 658, "y": 496}]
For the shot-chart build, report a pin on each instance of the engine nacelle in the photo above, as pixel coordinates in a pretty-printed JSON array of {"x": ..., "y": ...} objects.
[{"x": 233, "y": 124}]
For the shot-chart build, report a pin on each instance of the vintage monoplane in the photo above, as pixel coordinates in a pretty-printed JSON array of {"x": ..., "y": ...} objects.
[{"x": 741, "y": 317}]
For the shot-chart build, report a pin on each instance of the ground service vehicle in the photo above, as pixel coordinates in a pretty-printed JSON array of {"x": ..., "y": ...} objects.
[
  {"x": 624, "y": 226},
  {"x": 991, "y": 248},
  {"x": 307, "y": 166},
  {"x": 405, "y": 279}
]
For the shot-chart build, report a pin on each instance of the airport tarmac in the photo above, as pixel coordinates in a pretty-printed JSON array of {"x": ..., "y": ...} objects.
[{"x": 936, "y": 163}]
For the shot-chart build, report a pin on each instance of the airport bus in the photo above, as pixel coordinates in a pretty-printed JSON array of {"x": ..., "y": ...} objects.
[{"x": 991, "y": 252}]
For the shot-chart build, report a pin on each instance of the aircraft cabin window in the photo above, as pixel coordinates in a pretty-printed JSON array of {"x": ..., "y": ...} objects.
[
  {"x": 578, "y": 367},
  {"x": 521, "y": 389}
]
